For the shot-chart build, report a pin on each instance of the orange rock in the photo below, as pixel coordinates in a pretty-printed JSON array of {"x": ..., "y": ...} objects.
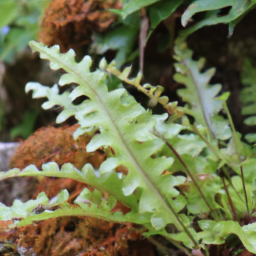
[{"x": 55, "y": 145}]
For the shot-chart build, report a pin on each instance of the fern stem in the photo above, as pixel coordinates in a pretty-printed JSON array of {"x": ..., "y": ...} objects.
[
  {"x": 227, "y": 176},
  {"x": 206, "y": 142},
  {"x": 229, "y": 198},
  {"x": 170, "y": 110},
  {"x": 237, "y": 142},
  {"x": 188, "y": 172},
  {"x": 214, "y": 150},
  {"x": 152, "y": 186},
  {"x": 245, "y": 193},
  {"x": 184, "y": 227},
  {"x": 207, "y": 251}
]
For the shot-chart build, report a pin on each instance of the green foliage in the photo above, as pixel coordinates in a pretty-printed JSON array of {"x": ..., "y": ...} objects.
[
  {"x": 212, "y": 9},
  {"x": 198, "y": 93},
  {"x": 188, "y": 169},
  {"x": 109, "y": 183},
  {"x": 91, "y": 203},
  {"x": 161, "y": 11},
  {"x": 134, "y": 5},
  {"x": 26, "y": 127},
  {"x": 8, "y": 8},
  {"x": 215, "y": 233},
  {"x": 161, "y": 154},
  {"x": 153, "y": 92},
  {"x": 114, "y": 113},
  {"x": 247, "y": 96},
  {"x": 18, "y": 25},
  {"x": 121, "y": 39}
]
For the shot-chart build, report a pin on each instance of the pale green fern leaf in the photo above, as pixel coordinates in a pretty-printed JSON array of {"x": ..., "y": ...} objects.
[
  {"x": 181, "y": 237},
  {"x": 21, "y": 210},
  {"x": 122, "y": 123},
  {"x": 109, "y": 182},
  {"x": 54, "y": 98},
  {"x": 153, "y": 92},
  {"x": 198, "y": 93},
  {"x": 90, "y": 204},
  {"x": 216, "y": 232}
]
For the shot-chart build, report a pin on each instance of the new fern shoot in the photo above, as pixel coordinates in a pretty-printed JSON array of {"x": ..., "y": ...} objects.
[{"x": 179, "y": 171}]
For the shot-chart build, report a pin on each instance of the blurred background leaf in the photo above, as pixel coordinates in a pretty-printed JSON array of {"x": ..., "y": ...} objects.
[
  {"x": 18, "y": 25},
  {"x": 26, "y": 126}
]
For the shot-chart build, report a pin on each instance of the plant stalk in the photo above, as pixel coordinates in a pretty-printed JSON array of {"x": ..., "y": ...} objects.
[
  {"x": 229, "y": 199},
  {"x": 114, "y": 71},
  {"x": 214, "y": 150},
  {"x": 183, "y": 226},
  {"x": 245, "y": 193},
  {"x": 237, "y": 142},
  {"x": 188, "y": 172},
  {"x": 225, "y": 173}
]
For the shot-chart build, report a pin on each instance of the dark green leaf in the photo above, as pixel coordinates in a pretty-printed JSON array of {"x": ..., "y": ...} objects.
[
  {"x": 135, "y": 5},
  {"x": 25, "y": 128},
  {"x": 121, "y": 39},
  {"x": 203, "y": 5},
  {"x": 161, "y": 11},
  {"x": 212, "y": 17}
]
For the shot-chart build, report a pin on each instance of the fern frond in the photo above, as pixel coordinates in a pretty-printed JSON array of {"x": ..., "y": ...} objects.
[
  {"x": 180, "y": 237},
  {"x": 248, "y": 95},
  {"x": 153, "y": 92},
  {"x": 87, "y": 175},
  {"x": 197, "y": 93},
  {"x": 90, "y": 204},
  {"x": 216, "y": 232},
  {"x": 124, "y": 126},
  {"x": 237, "y": 10}
]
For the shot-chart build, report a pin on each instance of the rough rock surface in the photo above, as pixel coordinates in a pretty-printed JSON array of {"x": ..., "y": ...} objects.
[{"x": 6, "y": 151}]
